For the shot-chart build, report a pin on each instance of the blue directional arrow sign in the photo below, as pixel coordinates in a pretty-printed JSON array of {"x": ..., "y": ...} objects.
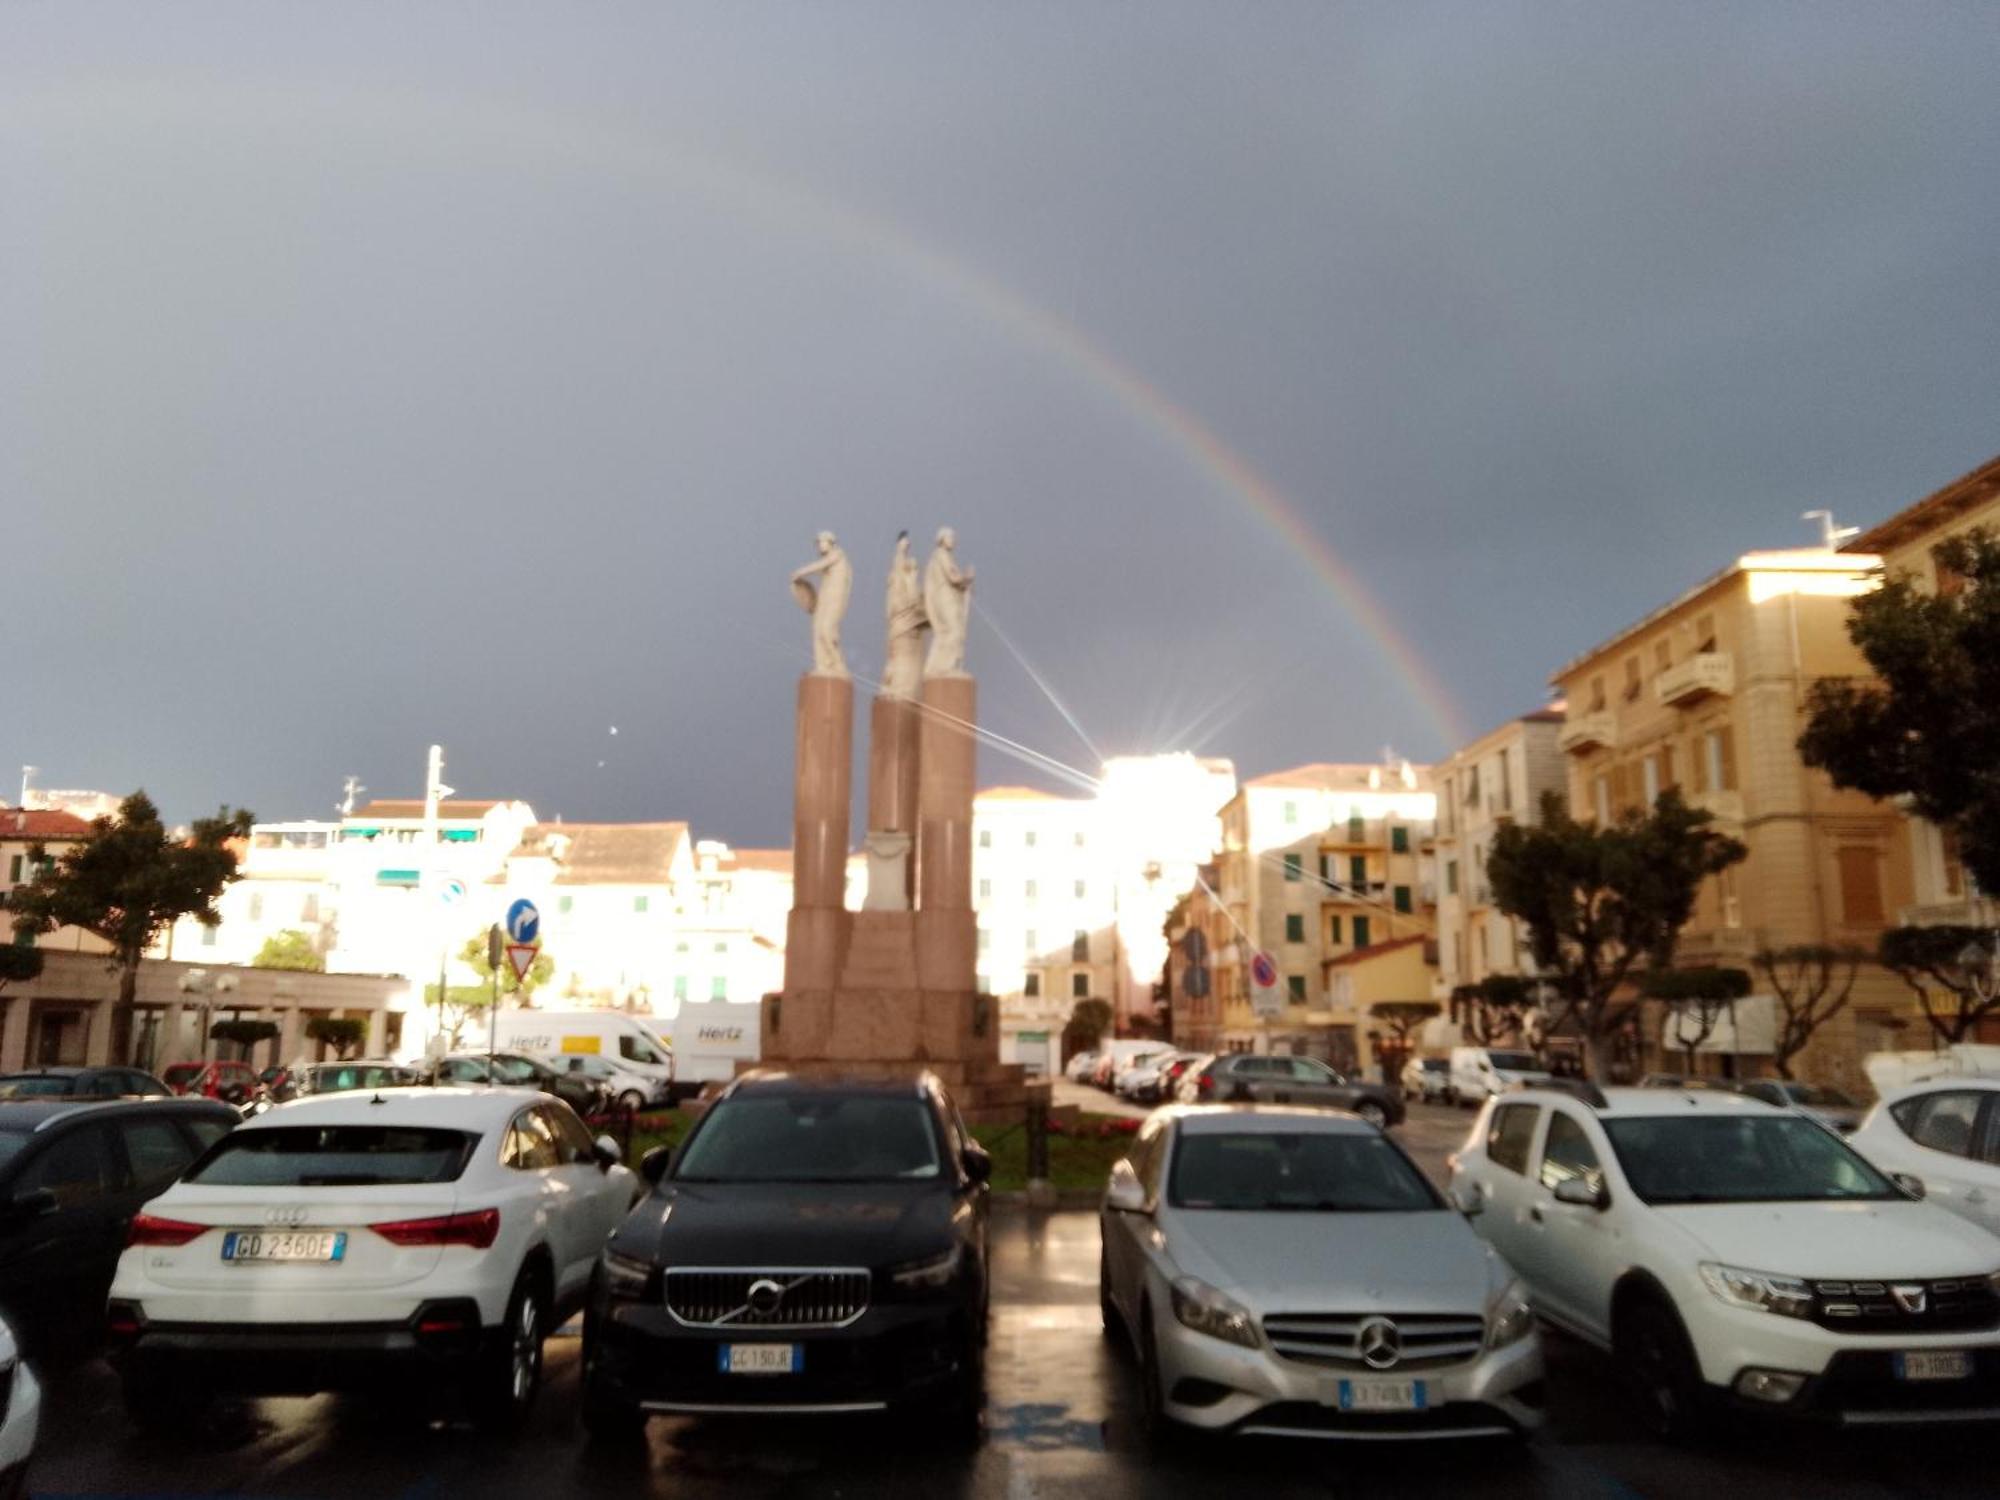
[{"x": 524, "y": 922}]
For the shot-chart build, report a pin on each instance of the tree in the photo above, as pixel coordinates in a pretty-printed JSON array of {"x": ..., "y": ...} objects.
[
  {"x": 1927, "y": 726},
  {"x": 18, "y": 962},
  {"x": 540, "y": 972},
  {"x": 242, "y": 1033},
  {"x": 1404, "y": 1016},
  {"x": 344, "y": 1034},
  {"x": 1496, "y": 1009},
  {"x": 127, "y": 883},
  {"x": 1696, "y": 1000},
  {"x": 1810, "y": 985},
  {"x": 1089, "y": 1020},
  {"x": 1599, "y": 904},
  {"x": 289, "y": 949},
  {"x": 1960, "y": 962}
]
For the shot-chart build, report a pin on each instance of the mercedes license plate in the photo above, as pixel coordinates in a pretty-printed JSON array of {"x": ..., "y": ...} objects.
[
  {"x": 284, "y": 1244},
  {"x": 1379, "y": 1395},
  {"x": 762, "y": 1359},
  {"x": 1935, "y": 1364}
]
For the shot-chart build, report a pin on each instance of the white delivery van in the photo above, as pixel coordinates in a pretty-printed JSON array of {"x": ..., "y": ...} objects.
[
  {"x": 710, "y": 1038},
  {"x": 633, "y": 1041},
  {"x": 1477, "y": 1073},
  {"x": 1889, "y": 1071}
]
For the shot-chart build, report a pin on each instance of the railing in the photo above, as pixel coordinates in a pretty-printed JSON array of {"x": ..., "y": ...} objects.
[
  {"x": 1582, "y": 733},
  {"x": 1707, "y": 674},
  {"x": 1967, "y": 911}
]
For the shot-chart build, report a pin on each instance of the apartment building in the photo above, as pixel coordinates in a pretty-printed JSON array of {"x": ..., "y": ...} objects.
[
  {"x": 22, "y": 831},
  {"x": 1707, "y": 694}
]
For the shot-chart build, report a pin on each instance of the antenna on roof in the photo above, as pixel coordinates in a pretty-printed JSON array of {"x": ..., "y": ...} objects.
[
  {"x": 1830, "y": 535},
  {"x": 349, "y": 790}
]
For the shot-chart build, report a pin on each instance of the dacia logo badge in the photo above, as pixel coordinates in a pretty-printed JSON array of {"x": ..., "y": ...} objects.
[{"x": 1911, "y": 1299}]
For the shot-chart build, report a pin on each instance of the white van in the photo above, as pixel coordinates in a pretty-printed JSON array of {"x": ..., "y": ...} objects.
[
  {"x": 1478, "y": 1073},
  {"x": 632, "y": 1041},
  {"x": 711, "y": 1038}
]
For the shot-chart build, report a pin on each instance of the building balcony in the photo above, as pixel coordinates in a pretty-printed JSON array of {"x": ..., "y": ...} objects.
[
  {"x": 1583, "y": 733},
  {"x": 1724, "y": 807},
  {"x": 1707, "y": 674},
  {"x": 1967, "y": 911}
]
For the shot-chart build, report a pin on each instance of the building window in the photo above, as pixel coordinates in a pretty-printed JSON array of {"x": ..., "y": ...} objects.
[
  {"x": 1031, "y": 940},
  {"x": 309, "y": 909},
  {"x": 1357, "y": 828},
  {"x": 208, "y": 936},
  {"x": 718, "y": 988},
  {"x": 642, "y": 903},
  {"x": 1731, "y": 903},
  {"x": 1451, "y": 877},
  {"x": 985, "y": 890},
  {"x": 1361, "y": 932},
  {"x": 1295, "y": 987},
  {"x": 1600, "y": 798},
  {"x": 985, "y": 940},
  {"x": 1357, "y": 869},
  {"x": 1704, "y": 633},
  {"x": 1633, "y": 685},
  {"x": 14, "y": 869},
  {"x": 1291, "y": 812},
  {"x": 1082, "y": 889},
  {"x": 1506, "y": 781},
  {"x": 1718, "y": 760},
  {"x": 986, "y": 838},
  {"x": 1333, "y": 928},
  {"x": 1860, "y": 885},
  {"x": 1663, "y": 656},
  {"x": 1597, "y": 695},
  {"x": 1080, "y": 841},
  {"x": 1402, "y": 898},
  {"x": 1031, "y": 890},
  {"x": 680, "y": 986},
  {"x": 256, "y": 906},
  {"x": 722, "y": 947},
  {"x": 1649, "y": 778},
  {"x": 564, "y": 903},
  {"x": 1029, "y": 839},
  {"x": 1031, "y": 983},
  {"x": 1295, "y": 927},
  {"x": 1079, "y": 986},
  {"x": 1954, "y": 864},
  {"x": 1294, "y": 865},
  {"x": 1079, "y": 946},
  {"x": 1399, "y": 840},
  {"x": 985, "y": 983}
]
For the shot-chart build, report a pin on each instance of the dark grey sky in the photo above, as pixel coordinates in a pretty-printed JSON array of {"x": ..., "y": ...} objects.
[{"x": 374, "y": 375}]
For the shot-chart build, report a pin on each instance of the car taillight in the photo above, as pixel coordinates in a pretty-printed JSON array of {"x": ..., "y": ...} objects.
[
  {"x": 1205, "y": 1085},
  {"x": 475, "y": 1230},
  {"x": 150, "y": 1229}
]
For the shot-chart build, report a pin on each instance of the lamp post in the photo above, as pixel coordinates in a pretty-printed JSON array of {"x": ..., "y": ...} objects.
[{"x": 206, "y": 987}]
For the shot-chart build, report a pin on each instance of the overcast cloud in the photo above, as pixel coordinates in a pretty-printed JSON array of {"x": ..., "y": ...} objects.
[{"x": 375, "y": 375}]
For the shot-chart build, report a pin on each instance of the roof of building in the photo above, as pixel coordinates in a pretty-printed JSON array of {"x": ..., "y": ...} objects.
[
  {"x": 413, "y": 807},
  {"x": 606, "y": 853},
  {"x": 1337, "y": 776},
  {"x": 42, "y": 824},
  {"x": 777, "y": 861},
  {"x": 1376, "y": 950},
  {"x": 1017, "y": 794},
  {"x": 1967, "y": 492}
]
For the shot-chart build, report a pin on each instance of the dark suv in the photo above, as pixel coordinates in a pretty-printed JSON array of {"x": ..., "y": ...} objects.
[
  {"x": 1244, "y": 1078},
  {"x": 815, "y": 1245}
]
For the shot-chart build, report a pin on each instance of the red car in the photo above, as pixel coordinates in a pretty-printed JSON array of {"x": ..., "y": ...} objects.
[{"x": 231, "y": 1082}]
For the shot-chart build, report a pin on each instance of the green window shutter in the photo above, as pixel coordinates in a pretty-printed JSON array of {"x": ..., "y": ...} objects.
[
  {"x": 1357, "y": 869},
  {"x": 1361, "y": 932},
  {"x": 1295, "y": 928},
  {"x": 1399, "y": 840},
  {"x": 1403, "y": 898},
  {"x": 1333, "y": 928},
  {"x": 1294, "y": 863},
  {"x": 1296, "y": 984}
]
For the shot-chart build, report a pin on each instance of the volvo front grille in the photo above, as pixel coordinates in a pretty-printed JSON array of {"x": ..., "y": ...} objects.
[{"x": 767, "y": 1296}]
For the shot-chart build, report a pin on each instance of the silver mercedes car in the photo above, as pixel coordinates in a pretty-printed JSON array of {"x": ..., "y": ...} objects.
[{"x": 1290, "y": 1272}]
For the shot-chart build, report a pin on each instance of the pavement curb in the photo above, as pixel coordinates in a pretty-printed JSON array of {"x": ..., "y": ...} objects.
[{"x": 1067, "y": 1198}]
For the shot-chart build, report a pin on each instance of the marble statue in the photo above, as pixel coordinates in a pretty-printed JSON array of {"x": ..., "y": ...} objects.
[
  {"x": 948, "y": 603},
  {"x": 903, "y": 676},
  {"x": 826, "y": 603}
]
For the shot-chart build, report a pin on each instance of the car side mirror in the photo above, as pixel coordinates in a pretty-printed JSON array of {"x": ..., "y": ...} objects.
[
  {"x": 1911, "y": 1185},
  {"x": 1469, "y": 1201},
  {"x": 33, "y": 1204},
  {"x": 654, "y": 1164},
  {"x": 978, "y": 1165},
  {"x": 1579, "y": 1193},
  {"x": 1124, "y": 1194},
  {"x": 607, "y": 1151}
]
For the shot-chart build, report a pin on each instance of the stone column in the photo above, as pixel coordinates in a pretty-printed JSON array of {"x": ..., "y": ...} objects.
[
  {"x": 821, "y": 793},
  {"x": 377, "y": 1028},
  {"x": 947, "y": 756},
  {"x": 892, "y": 803}
]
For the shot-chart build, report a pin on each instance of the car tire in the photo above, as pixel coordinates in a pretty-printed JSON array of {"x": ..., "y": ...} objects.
[
  {"x": 1159, "y": 1428},
  {"x": 508, "y": 1376},
  {"x": 1372, "y": 1112},
  {"x": 632, "y": 1101},
  {"x": 1107, "y": 1309},
  {"x": 1657, "y": 1359}
]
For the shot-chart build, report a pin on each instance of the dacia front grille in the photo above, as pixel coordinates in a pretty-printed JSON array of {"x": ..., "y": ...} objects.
[{"x": 1964, "y": 1304}]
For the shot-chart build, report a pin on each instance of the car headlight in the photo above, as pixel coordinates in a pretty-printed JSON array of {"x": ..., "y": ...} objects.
[
  {"x": 1760, "y": 1291},
  {"x": 1199, "y": 1306},
  {"x": 625, "y": 1277},
  {"x": 1510, "y": 1319},
  {"x": 930, "y": 1273}
]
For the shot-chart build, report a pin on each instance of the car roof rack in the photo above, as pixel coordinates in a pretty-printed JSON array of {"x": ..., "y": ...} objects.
[{"x": 1580, "y": 1089}]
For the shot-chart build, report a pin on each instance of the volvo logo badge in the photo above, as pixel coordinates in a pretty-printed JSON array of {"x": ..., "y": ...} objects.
[
  {"x": 1379, "y": 1344},
  {"x": 291, "y": 1218},
  {"x": 1912, "y": 1299},
  {"x": 765, "y": 1297}
]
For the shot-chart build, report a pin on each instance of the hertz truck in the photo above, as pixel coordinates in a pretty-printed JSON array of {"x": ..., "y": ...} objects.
[{"x": 628, "y": 1040}]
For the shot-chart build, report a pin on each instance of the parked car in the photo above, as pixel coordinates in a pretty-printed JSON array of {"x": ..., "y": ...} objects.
[
  {"x": 357, "y": 1241},
  {"x": 1255, "y": 1078},
  {"x": 817, "y": 1245},
  {"x": 1080, "y": 1065},
  {"x": 1116, "y": 1055},
  {"x": 83, "y": 1083},
  {"x": 73, "y": 1172},
  {"x": 1290, "y": 1272},
  {"x": 362, "y": 1073},
  {"x": 1945, "y": 1134},
  {"x": 231, "y": 1082},
  {"x": 635, "y": 1044},
  {"x": 516, "y": 1070},
  {"x": 1481, "y": 1072},
  {"x": 1164, "y": 1086},
  {"x": 1674, "y": 1081},
  {"x": 1136, "y": 1069},
  {"x": 1427, "y": 1079},
  {"x": 1830, "y": 1107},
  {"x": 1731, "y": 1255},
  {"x": 625, "y": 1087},
  {"x": 20, "y": 1416}
]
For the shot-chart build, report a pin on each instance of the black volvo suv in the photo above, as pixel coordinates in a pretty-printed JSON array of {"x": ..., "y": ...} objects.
[{"x": 815, "y": 1245}]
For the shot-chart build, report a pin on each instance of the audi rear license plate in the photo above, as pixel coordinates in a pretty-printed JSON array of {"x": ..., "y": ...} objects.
[
  {"x": 1935, "y": 1364},
  {"x": 762, "y": 1359},
  {"x": 1378, "y": 1395},
  {"x": 324, "y": 1245}
]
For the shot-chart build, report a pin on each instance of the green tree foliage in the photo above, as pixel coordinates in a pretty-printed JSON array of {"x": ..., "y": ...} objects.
[
  {"x": 1494, "y": 1010},
  {"x": 1404, "y": 1016},
  {"x": 19, "y": 962},
  {"x": 1927, "y": 726},
  {"x": 540, "y": 972},
  {"x": 1600, "y": 904},
  {"x": 1810, "y": 985},
  {"x": 1953, "y": 972},
  {"x": 127, "y": 883},
  {"x": 1089, "y": 1023},
  {"x": 243, "y": 1034},
  {"x": 1696, "y": 999},
  {"x": 344, "y": 1034},
  {"x": 289, "y": 949}
]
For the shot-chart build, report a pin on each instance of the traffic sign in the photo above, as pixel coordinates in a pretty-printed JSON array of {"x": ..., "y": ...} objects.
[
  {"x": 1264, "y": 1000},
  {"x": 452, "y": 891},
  {"x": 1194, "y": 944},
  {"x": 524, "y": 922},
  {"x": 1194, "y": 981},
  {"x": 521, "y": 958}
]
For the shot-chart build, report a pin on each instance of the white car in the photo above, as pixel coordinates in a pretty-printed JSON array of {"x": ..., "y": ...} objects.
[
  {"x": 628, "y": 1088},
  {"x": 1135, "y": 1069},
  {"x": 1079, "y": 1065},
  {"x": 1289, "y": 1272},
  {"x": 20, "y": 1416},
  {"x": 430, "y": 1237},
  {"x": 1945, "y": 1134},
  {"x": 1731, "y": 1254},
  {"x": 1479, "y": 1073}
]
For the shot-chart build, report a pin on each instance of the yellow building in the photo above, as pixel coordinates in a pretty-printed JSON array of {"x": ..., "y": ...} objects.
[
  {"x": 1708, "y": 694},
  {"x": 1944, "y": 895},
  {"x": 1394, "y": 972}
]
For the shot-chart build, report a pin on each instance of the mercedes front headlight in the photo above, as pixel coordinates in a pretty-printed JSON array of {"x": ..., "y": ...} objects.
[
  {"x": 1199, "y": 1306},
  {"x": 1510, "y": 1319}
]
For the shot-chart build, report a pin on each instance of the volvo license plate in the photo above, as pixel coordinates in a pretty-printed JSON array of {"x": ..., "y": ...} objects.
[
  {"x": 324, "y": 1245},
  {"x": 1379, "y": 1395},
  {"x": 1935, "y": 1364},
  {"x": 761, "y": 1359}
]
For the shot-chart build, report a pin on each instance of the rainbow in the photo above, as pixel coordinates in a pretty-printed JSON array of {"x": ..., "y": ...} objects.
[{"x": 527, "y": 139}]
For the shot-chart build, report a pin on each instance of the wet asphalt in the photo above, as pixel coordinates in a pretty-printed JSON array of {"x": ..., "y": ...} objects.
[{"x": 1061, "y": 1421}]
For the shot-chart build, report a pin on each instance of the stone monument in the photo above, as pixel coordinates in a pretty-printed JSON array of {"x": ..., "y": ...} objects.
[{"x": 891, "y": 989}]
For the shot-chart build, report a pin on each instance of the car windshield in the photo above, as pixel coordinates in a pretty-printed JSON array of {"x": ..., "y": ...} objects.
[
  {"x": 1514, "y": 1062},
  {"x": 335, "y": 1078},
  {"x": 1432, "y": 1065},
  {"x": 1306, "y": 1172},
  {"x": 335, "y": 1156},
  {"x": 813, "y": 1138},
  {"x": 641, "y": 1049},
  {"x": 1740, "y": 1159},
  {"x": 181, "y": 1073},
  {"x": 514, "y": 1070},
  {"x": 31, "y": 1085}
]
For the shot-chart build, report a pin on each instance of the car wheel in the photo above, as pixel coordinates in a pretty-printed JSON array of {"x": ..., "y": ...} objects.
[
  {"x": 1106, "y": 1308},
  {"x": 631, "y": 1101},
  {"x": 1658, "y": 1361},
  {"x": 509, "y": 1375},
  {"x": 1159, "y": 1427},
  {"x": 1373, "y": 1113}
]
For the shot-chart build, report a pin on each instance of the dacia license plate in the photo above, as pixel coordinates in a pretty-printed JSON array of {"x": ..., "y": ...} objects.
[
  {"x": 1935, "y": 1364},
  {"x": 324, "y": 1245},
  {"x": 1379, "y": 1395},
  {"x": 761, "y": 1359}
]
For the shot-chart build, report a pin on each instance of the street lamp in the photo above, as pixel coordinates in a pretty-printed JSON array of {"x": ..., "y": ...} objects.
[{"x": 206, "y": 986}]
